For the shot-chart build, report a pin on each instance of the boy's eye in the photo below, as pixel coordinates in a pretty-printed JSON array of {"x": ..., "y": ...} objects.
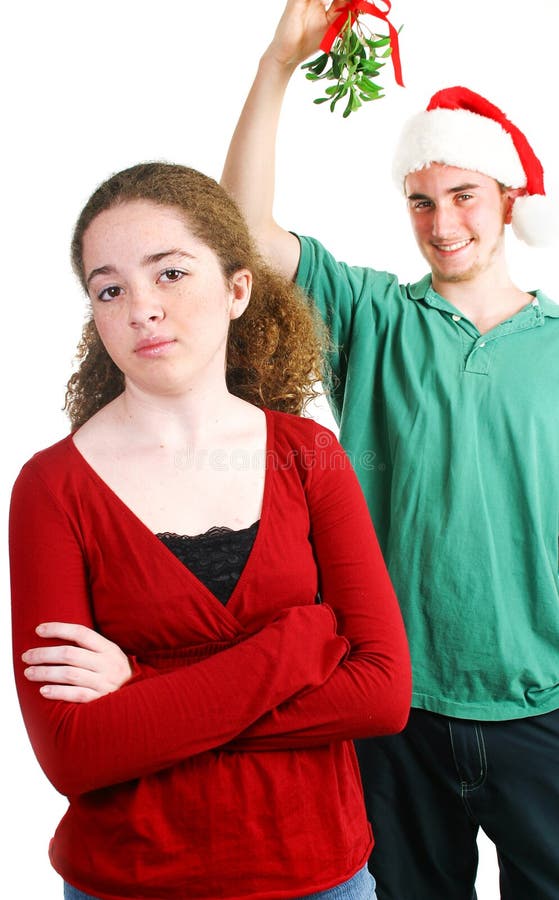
[
  {"x": 171, "y": 275},
  {"x": 109, "y": 293}
]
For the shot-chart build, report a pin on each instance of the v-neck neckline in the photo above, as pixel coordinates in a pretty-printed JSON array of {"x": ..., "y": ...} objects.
[{"x": 180, "y": 567}]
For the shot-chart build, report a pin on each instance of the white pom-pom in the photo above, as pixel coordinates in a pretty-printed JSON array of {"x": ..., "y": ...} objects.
[{"x": 535, "y": 220}]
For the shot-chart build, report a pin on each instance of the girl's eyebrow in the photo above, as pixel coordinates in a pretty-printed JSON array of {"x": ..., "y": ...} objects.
[
  {"x": 157, "y": 257},
  {"x": 148, "y": 260},
  {"x": 102, "y": 270}
]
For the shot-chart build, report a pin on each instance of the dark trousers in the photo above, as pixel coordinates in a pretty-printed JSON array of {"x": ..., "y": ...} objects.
[{"x": 429, "y": 790}]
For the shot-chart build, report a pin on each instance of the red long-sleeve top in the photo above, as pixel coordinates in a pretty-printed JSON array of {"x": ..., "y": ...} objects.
[{"x": 224, "y": 768}]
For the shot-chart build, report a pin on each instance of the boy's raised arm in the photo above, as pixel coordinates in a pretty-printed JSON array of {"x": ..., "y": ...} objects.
[{"x": 249, "y": 171}]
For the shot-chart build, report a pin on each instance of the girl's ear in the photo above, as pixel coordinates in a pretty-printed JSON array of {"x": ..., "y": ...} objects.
[{"x": 241, "y": 286}]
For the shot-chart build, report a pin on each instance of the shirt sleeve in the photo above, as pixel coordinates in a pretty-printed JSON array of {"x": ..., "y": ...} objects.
[
  {"x": 151, "y": 723},
  {"x": 369, "y": 693},
  {"x": 347, "y": 297}
]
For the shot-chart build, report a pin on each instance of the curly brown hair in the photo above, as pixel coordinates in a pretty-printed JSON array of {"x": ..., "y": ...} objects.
[{"x": 275, "y": 351}]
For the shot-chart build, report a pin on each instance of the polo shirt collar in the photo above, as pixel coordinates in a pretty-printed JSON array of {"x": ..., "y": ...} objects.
[
  {"x": 423, "y": 290},
  {"x": 548, "y": 307}
]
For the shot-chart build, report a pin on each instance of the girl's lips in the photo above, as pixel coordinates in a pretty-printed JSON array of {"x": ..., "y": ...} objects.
[{"x": 153, "y": 346}]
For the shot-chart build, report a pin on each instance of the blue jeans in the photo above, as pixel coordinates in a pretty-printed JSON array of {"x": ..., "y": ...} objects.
[
  {"x": 360, "y": 887},
  {"x": 72, "y": 893}
]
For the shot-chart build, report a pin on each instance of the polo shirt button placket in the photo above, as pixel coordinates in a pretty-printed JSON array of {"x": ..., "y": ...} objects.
[{"x": 478, "y": 360}]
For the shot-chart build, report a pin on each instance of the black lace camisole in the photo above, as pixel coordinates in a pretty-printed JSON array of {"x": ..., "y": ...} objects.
[{"x": 217, "y": 557}]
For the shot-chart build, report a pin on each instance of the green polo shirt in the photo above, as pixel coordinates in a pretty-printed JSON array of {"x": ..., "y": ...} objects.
[{"x": 455, "y": 438}]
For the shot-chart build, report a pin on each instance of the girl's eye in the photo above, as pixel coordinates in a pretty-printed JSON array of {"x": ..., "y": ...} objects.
[
  {"x": 109, "y": 293},
  {"x": 170, "y": 275}
]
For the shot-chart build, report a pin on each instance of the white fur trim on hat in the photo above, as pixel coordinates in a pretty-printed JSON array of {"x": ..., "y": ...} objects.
[{"x": 457, "y": 137}]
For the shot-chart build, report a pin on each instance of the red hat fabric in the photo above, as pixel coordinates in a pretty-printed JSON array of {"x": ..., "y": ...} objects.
[{"x": 461, "y": 128}]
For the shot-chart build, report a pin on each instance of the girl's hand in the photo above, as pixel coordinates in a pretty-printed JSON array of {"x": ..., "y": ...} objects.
[{"x": 88, "y": 668}]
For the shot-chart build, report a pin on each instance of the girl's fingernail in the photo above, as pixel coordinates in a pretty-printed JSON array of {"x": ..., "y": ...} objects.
[{"x": 45, "y": 690}]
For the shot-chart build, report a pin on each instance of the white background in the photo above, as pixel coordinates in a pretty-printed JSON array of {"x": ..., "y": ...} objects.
[{"x": 89, "y": 88}]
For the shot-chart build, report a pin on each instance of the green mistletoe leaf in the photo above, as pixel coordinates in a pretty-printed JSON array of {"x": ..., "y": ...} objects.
[{"x": 357, "y": 56}]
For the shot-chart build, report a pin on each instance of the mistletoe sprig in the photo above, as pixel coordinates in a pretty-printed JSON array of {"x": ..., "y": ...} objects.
[{"x": 354, "y": 59}]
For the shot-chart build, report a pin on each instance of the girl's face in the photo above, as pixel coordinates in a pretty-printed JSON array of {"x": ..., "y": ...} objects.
[{"x": 160, "y": 301}]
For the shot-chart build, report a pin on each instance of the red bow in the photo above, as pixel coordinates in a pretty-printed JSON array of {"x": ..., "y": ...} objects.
[{"x": 354, "y": 7}]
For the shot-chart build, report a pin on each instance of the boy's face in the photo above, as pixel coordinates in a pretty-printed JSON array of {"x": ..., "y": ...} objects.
[{"x": 458, "y": 219}]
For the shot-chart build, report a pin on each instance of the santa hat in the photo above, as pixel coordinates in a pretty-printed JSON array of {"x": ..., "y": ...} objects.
[{"x": 460, "y": 128}]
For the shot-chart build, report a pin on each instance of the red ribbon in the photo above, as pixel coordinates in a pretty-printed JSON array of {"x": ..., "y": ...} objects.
[{"x": 353, "y": 8}]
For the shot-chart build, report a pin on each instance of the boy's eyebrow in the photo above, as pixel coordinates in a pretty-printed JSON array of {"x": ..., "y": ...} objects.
[
  {"x": 148, "y": 260},
  {"x": 417, "y": 196},
  {"x": 469, "y": 186}
]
